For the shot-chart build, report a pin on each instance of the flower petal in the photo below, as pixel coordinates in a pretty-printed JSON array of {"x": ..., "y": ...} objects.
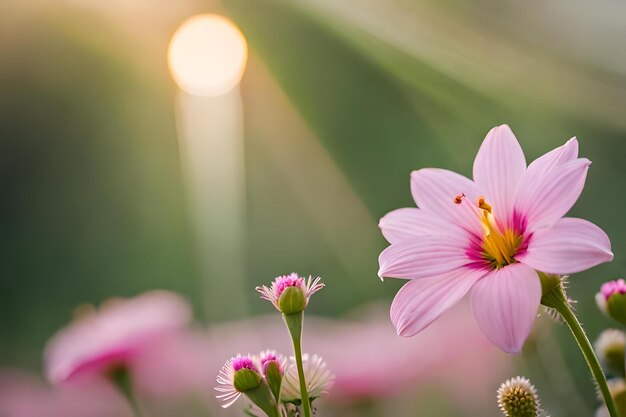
[
  {"x": 505, "y": 305},
  {"x": 434, "y": 191},
  {"x": 564, "y": 153},
  {"x": 424, "y": 257},
  {"x": 409, "y": 223},
  {"x": 543, "y": 199},
  {"x": 422, "y": 301},
  {"x": 498, "y": 168},
  {"x": 571, "y": 245}
]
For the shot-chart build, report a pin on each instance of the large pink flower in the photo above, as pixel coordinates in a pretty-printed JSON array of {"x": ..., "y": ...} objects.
[
  {"x": 491, "y": 236},
  {"x": 115, "y": 335}
]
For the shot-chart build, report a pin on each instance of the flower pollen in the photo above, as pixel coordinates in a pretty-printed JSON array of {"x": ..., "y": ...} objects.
[{"x": 499, "y": 247}]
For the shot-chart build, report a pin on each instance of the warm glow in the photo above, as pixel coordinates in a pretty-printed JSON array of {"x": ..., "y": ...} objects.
[{"x": 207, "y": 55}]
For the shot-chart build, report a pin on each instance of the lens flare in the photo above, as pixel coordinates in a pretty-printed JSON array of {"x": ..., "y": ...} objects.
[{"x": 207, "y": 55}]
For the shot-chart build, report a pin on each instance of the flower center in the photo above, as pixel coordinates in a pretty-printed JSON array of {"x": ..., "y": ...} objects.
[{"x": 499, "y": 246}]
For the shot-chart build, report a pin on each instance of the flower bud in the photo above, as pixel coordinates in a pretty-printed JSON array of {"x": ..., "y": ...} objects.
[
  {"x": 609, "y": 347},
  {"x": 246, "y": 380},
  {"x": 290, "y": 293},
  {"x": 617, "y": 388},
  {"x": 273, "y": 372},
  {"x": 246, "y": 376},
  {"x": 292, "y": 300},
  {"x": 612, "y": 300},
  {"x": 517, "y": 397}
]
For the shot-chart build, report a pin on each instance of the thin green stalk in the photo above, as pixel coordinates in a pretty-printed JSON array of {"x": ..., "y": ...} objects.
[
  {"x": 294, "y": 324},
  {"x": 121, "y": 379},
  {"x": 556, "y": 299}
]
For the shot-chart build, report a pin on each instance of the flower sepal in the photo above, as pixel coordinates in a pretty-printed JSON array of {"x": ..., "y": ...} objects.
[
  {"x": 246, "y": 380},
  {"x": 616, "y": 307},
  {"x": 292, "y": 300},
  {"x": 263, "y": 398},
  {"x": 274, "y": 378},
  {"x": 548, "y": 283}
]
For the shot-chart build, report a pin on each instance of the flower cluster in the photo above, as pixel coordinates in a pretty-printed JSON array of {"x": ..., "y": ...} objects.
[
  {"x": 245, "y": 373},
  {"x": 277, "y": 386}
]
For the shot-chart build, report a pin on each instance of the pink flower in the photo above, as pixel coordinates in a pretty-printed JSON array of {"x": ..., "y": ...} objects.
[
  {"x": 613, "y": 287},
  {"x": 25, "y": 395},
  {"x": 227, "y": 389},
  {"x": 115, "y": 335},
  {"x": 318, "y": 378},
  {"x": 611, "y": 299},
  {"x": 490, "y": 235},
  {"x": 270, "y": 356},
  {"x": 281, "y": 283}
]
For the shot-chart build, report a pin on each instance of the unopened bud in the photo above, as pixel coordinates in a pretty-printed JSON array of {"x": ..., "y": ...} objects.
[
  {"x": 246, "y": 376},
  {"x": 609, "y": 347},
  {"x": 517, "y": 397},
  {"x": 612, "y": 300},
  {"x": 273, "y": 372},
  {"x": 290, "y": 293},
  {"x": 292, "y": 300}
]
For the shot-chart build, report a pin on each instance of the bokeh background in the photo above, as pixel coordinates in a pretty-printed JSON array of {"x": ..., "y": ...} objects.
[{"x": 341, "y": 101}]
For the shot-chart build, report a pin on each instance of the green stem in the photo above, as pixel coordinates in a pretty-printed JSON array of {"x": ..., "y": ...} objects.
[
  {"x": 262, "y": 398},
  {"x": 294, "y": 324},
  {"x": 556, "y": 299},
  {"x": 121, "y": 379}
]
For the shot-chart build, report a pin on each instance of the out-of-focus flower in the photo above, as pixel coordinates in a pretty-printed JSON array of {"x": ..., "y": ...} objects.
[
  {"x": 611, "y": 300},
  {"x": 517, "y": 397},
  {"x": 114, "y": 336},
  {"x": 490, "y": 235},
  {"x": 609, "y": 347},
  {"x": 617, "y": 387},
  {"x": 26, "y": 395},
  {"x": 290, "y": 293},
  {"x": 318, "y": 378}
]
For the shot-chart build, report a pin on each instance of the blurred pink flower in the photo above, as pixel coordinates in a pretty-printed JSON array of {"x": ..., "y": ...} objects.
[
  {"x": 25, "y": 395},
  {"x": 490, "y": 235},
  {"x": 116, "y": 334}
]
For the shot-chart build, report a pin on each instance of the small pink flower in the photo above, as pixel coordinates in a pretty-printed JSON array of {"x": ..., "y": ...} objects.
[
  {"x": 490, "y": 235},
  {"x": 613, "y": 287},
  {"x": 115, "y": 335},
  {"x": 611, "y": 300},
  {"x": 270, "y": 356},
  {"x": 308, "y": 287},
  {"x": 228, "y": 394}
]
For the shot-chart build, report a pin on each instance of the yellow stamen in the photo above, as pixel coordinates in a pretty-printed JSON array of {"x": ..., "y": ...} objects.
[{"x": 499, "y": 247}]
